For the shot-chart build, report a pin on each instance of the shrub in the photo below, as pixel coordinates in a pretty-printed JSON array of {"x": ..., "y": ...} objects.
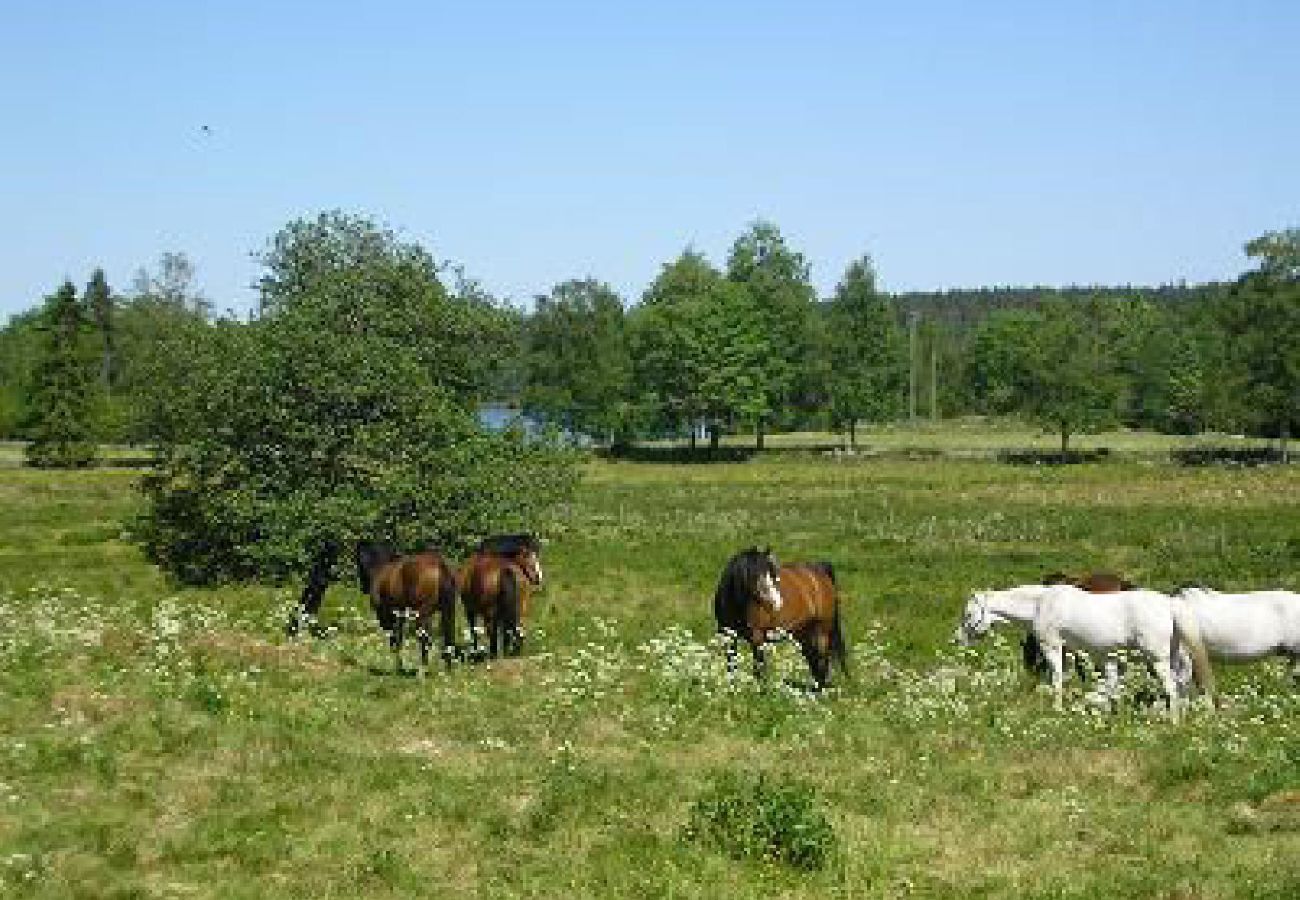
[{"x": 761, "y": 818}]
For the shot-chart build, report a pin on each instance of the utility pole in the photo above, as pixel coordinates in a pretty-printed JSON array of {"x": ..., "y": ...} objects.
[
  {"x": 913, "y": 318},
  {"x": 934, "y": 377}
]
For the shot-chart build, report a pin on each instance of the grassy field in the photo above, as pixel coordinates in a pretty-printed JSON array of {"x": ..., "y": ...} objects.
[{"x": 166, "y": 742}]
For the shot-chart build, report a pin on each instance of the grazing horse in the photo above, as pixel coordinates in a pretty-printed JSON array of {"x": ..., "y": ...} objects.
[
  {"x": 756, "y": 597},
  {"x": 413, "y": 585},
  {"x": 1094, "y": 583},
  {"x": 1154, "y": 623},
  {"x": 1246, "y": 626},
  {"x": 495, "y": 585}
]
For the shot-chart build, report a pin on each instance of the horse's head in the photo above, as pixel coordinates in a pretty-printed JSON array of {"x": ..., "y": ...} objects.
[
  {"x": 976, "y": 620},
  {"x": 522, "y": 549},
  {"x": 760, "y": 576}
]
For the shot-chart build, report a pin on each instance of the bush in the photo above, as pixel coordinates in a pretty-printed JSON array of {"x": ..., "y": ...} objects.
[{"x": 760, "y": 818}]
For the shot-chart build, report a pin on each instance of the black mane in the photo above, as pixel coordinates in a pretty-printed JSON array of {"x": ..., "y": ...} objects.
[
  {"x": 509, "y": 544},
  {"x": 738, "y": 586}
]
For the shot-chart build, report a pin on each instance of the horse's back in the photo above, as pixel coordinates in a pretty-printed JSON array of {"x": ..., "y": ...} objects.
[
  {"x": 810, "y": 585},
  {"x": 1246, "y": 624},
  {"x": 1108, "y": 619},
  {"x": 424, "y": 575}
]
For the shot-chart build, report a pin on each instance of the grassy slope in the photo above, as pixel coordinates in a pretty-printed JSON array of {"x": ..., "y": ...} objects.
[{"x": 168, "y": 742}]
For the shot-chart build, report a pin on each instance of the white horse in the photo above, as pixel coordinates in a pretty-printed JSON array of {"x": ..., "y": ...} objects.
[
  {"x": 1245, "y": 626},
  {"x": 1098, "y": 624}
]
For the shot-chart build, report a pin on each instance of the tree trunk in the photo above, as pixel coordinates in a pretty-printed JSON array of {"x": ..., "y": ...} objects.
[
  {"x": 715, "y": 436},
  {"x": 853, "y": 434},
  {"x": 758, "y": 433},
  {"x": 1065, "y": 441}
]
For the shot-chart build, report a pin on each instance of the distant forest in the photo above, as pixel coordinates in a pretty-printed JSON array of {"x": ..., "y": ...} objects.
[{"x": 707, "y": 350}]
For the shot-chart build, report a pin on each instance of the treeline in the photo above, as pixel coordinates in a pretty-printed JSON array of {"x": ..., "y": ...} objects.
[{"x": 744, "y": 346}]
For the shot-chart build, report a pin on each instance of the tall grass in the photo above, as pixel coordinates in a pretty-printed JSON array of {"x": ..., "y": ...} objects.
[{"x": 164, "y": 742}]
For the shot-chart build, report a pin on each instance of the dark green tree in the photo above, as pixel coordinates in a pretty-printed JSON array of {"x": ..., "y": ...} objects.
[
  {"x": 63, "y": 404},
  {"x": 1055, "y": 366},
  {"x": 344, "y": 411},
  {"x": 579, "y": 364},
  {"x": 98, "y": 300},
  {"x": 1260, "y": 319},
  {"x": 867, "y": 350},
  {"x": 777, "y": 280},
  {"x": 699, "y": 348}
]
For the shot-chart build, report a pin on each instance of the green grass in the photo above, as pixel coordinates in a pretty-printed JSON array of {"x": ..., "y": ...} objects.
[{"x": 158, "y": 741}]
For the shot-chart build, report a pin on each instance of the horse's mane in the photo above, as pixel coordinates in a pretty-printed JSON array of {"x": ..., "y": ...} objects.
[
  {"x": 509, "y": 544},
  {"x": 736, "y": 586}
]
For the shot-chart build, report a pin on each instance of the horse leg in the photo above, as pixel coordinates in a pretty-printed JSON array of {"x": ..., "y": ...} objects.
[
  {"x": 816, "y": 651},
  {"x": 1164, "y": 673},
  {"x": 424, "y": 635},
  {"x": 395, "y": 640},
  {"x": 730, "y": 649},
  {"x": 1054, "y": 652},
  {"x": 1112, "y": 681},
  {"x": 471, "y": 620},
  {"x": 760, "y": 657}
]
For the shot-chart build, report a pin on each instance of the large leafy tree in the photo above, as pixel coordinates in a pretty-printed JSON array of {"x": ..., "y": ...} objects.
[
  {"x": 579, "y": 367},
  {"x": 699, "y": 347},
  {"x": 1260, "y": 319},
  {"x": 163, "y": 331},
  {"x": 1056, "y": 366},
  {"x": 343, "y": 411},
  {"x": 64, "y": 402},
  {"x": 867, "y": 352},
  {"x": 779, "y": 285}
]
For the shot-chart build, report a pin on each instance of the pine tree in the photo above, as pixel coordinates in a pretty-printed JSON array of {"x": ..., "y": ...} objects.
[
  {"x": 63, "y": 391},
  {"x": 99, "y": 302}
]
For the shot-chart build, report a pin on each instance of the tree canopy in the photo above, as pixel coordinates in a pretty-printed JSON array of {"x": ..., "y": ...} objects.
[{"x": 343, "y": 411}]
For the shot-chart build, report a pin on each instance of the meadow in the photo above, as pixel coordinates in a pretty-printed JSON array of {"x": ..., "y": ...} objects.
[{"x": 158, "y": 741}]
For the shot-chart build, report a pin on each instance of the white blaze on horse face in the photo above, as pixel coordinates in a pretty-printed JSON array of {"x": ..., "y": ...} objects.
[
  {"x": 768, "y": 590},
  {"x": 537, "y": 568}
]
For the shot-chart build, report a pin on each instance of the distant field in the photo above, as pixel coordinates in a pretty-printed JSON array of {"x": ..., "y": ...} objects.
[
  {"x": 984, "y": 436},
  {"x": 164, "y": 741}
]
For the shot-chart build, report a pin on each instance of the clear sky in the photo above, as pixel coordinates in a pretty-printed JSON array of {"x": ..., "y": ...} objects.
[{"x": 961, "y": 144}]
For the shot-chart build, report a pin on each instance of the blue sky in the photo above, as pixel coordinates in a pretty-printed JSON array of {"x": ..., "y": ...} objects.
[{"x": 960, "y": 144}]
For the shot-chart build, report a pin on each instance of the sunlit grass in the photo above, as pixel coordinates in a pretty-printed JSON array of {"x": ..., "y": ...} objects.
[{"x": 165, "y": 742}]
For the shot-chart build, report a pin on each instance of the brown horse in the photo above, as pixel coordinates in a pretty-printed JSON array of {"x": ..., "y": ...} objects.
[
  {"x": 496, "y": 583},
  {"x": 1094, "y": 583},
  {"x": 401, "y": 587},
  {"x": 756, "y": 596}
]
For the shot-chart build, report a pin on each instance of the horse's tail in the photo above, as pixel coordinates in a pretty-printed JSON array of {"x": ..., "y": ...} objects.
[
  {"x": 508, "y": 605},
  {"x": 448, "y": 590},
  {"x": 1188, "y": 630},
  {"x": 839, "y": 647}
]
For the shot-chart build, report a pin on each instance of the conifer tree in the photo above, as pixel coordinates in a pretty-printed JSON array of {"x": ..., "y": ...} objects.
[{"x": 62, "y": 400}]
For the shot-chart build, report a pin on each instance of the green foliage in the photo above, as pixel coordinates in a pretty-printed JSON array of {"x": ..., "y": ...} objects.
[
  {"x": 699, "y": 347},
  {"x": 1260, "y": 322},
  {"x": 763, "y": 818},
  {"x": 778, "y": 283},
  {"x": 579, "y": 364},
  {"x": 343, "y": 412},
  {"x": 99, "y": 302},
  {"x": 64, "y": 399},
  {"x": 867, "y": 372},
  {"x": 1056, "y": 366}
]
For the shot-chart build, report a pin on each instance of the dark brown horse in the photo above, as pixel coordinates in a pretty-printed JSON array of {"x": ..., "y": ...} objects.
[
  {"x": 1094, "y": 583},
  {"x": 496, "y": 583},
  {"x": 410, "y": 586},
  {"x": 756, "y": 596}
]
